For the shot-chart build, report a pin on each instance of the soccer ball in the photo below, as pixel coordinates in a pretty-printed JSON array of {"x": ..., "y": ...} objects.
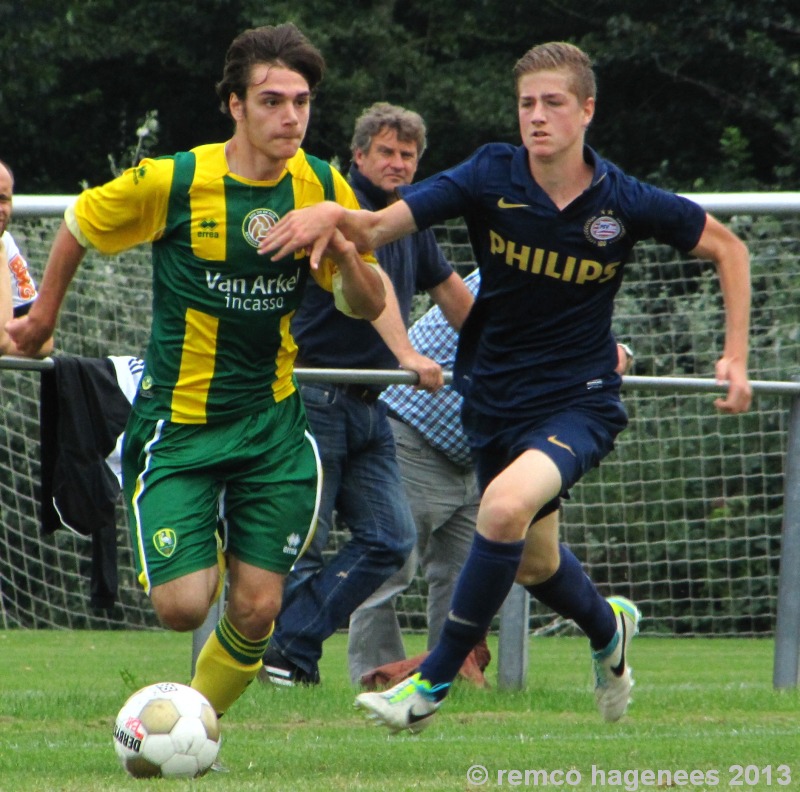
[{"x": 166, "y": 730}]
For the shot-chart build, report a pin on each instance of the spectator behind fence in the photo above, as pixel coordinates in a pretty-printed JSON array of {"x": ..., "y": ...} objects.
[
  {"x": 552, "y": 225},
  {"x": 439, "y": 478},
  {"x": 217, "y": 441},
  {"x": 17, "y": 286},
  {"x": 361, "y": 479}
]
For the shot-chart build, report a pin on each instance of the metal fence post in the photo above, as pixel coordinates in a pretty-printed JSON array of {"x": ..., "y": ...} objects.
[
  {"x": 200, "y": 635},
  {"x": 512, "y": 643},
  {"x": 787, "y": 627}
]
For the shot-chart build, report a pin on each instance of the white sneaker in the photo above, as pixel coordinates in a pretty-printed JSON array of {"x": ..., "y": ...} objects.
[
  {"x": 612, "y": 674},
  {"x": 408, "y": 706}
]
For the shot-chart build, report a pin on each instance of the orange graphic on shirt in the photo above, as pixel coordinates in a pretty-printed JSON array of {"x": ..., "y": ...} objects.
[{"x": 25, "y": 287}]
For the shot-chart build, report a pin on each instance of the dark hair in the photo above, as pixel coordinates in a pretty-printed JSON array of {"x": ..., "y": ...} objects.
[
  {"x": 408, "y": 125},
  {"x": 282, "y": 45},
  {"x": 560, "y": 55}
]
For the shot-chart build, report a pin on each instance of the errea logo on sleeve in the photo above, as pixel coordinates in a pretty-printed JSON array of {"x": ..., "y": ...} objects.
[{"x": 138, "y": 173}]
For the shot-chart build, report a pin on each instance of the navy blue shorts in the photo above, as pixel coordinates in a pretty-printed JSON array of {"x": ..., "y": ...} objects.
[{"x": 576, "y": 436}]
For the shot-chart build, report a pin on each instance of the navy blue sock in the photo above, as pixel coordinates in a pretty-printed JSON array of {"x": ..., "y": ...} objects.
[
  {"x": 571, "y": 594},
  {"x": 481, "y": 589}
]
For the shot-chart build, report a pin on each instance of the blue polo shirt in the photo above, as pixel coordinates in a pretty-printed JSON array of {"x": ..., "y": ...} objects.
[
  {"x": 540, "y": 330},
  {"x": 326, "y": 338}
]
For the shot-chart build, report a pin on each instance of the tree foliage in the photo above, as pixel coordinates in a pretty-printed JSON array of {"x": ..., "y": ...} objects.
[
  {"x": 697, "y": 94},
  {"x": 80, "y": 76}
]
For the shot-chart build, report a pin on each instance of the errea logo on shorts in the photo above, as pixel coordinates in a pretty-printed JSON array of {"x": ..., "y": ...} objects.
[
  {"x": 165, "y": 541},
  {"x": 256, "y": 224},
  {"x": 292, "y": 544}
]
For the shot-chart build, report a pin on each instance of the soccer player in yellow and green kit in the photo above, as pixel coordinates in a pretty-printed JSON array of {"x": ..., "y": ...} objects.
[{"x": 218, "y": 435}]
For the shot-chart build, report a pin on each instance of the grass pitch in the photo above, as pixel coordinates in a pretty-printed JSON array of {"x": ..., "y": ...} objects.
[{"x": 704, "y": 716}]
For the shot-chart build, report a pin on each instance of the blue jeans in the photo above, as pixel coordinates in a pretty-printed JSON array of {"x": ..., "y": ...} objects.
[
  {"x": 444, "y": 500},
  {"x": 362, "y": 483}
]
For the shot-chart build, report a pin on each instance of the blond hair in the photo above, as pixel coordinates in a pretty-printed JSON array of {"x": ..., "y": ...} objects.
[{"x": 560, "y": 55}]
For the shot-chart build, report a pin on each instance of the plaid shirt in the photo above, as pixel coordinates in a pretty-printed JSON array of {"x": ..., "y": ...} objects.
[{"x": 436, "y": 416}]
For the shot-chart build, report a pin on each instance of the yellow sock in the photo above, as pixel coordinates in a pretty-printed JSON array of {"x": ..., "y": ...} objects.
[{"x": 227, "y": 664}]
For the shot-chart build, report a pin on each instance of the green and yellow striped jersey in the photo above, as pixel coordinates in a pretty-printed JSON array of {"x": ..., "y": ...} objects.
[{"x": 220, "y": 345}]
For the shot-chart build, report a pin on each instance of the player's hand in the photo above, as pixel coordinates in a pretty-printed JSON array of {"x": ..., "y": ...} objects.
[
  {"x": 28, "y": 333},
  {"x": 740, "y": 393},
  {"x": 624, "y": 359},
  {"x": 340, "y": 249},
  {"x": 309, "y": 229},
  {"x": 430, "y": 374}
]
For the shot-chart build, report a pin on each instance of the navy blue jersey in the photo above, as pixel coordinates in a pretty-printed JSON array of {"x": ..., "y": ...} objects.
[
  {"x": 326, "y": 338},
  {"x": 540, "y": 329}
]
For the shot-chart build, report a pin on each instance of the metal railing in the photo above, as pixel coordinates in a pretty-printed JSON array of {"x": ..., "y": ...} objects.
[{"x": 721, "y": 203}]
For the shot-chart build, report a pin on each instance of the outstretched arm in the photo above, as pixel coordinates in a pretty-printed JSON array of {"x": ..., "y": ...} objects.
[
  {"x": 732, "y": 259},
  {"x": 361, "y": 284},
  {"x": 32, "y": 331},
  {"x": 454, "y": 299},
  {"x": 313, "y": 227},
  {"x": 392, "y": 330}
]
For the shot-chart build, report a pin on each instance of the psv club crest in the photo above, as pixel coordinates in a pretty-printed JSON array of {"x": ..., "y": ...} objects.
[{"x": 602, "y": 229}]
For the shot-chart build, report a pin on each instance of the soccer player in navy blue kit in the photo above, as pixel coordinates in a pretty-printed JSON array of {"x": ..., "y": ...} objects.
[{"x": 552, "y": 225}]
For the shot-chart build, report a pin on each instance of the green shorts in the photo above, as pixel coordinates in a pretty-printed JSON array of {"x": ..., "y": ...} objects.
[{"x": 254, "y": 481}]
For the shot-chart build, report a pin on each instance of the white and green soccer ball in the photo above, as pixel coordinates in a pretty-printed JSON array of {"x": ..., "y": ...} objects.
[{"x": 166, "y": 730}]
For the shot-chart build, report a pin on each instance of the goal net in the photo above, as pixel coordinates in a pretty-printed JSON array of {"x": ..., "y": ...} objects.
[{"x": 684, "y": 516}]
